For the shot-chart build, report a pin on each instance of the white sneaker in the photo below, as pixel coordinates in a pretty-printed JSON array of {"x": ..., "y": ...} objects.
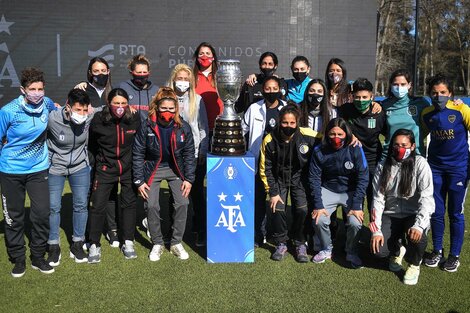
[
  {"x": 179, "y": 251},
  {"x": 395, "y": 263},
  {"x": 156, "y": 252},
  {"x": 411, "y": 275},
  {"x": 128, "y": 250},
  {"x": 94, "y": 254}
]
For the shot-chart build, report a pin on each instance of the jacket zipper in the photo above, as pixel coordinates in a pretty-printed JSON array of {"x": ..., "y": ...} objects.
[
  {"x": 173, "y": 140},
  {"x": 118, "y": 149}
]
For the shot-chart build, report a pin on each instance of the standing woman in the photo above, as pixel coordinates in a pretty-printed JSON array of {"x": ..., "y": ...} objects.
[
  {"x": 111, "y": 138},
  {"x": 285, "y": 153},
  {"x": 67, "y": 140},
  {"x": 402, "y": 206},
  {"x": 260, "y": 119},
  {"x": 164, "y": 150},
  {"x": 296, "y": 86},
  {"x": 139, "y": 88},
  {"x": 448, "y": 123},
  {"x": 316, "y": 108},
  {"x": 23, "y": 164},
  {"x": 192, "y": 109},
  {"x": 337, "y": 83},
  {"x": 403, "y": 111},
  {"x": 338, "y": 176}
]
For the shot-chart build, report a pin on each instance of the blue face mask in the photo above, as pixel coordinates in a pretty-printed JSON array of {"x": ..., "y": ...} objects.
[{"x": 399, "y": 91}]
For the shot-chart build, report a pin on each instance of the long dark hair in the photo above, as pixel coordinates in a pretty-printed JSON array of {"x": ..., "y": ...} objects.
[
  {"x": 89, "y": 74},
  {"x": 337, "y": 122},
  {"x": 407, "y": 165},
  {"x": 343, "y": 89},
  {"x": 197, "y": 66},
  {"x": 106, "y": 114},
  {"x": 400, "y": 72},
  {"x": 325, "y": 106}
]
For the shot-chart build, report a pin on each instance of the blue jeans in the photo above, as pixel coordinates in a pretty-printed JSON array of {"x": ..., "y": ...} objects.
[{"x": 80, "y": 186}]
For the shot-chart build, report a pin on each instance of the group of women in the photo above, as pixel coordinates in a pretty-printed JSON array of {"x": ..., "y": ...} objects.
[{"x": 315, "y": 140}]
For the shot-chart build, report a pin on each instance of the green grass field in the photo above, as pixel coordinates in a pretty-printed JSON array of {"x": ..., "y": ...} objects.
[{"x": 172, "y": 285}]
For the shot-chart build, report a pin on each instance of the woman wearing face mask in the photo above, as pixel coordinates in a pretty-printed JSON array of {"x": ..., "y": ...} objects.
[
  {"x": 23, "y": 164},
  {"x": 448, "y": 124},
  {"x": 111, "y": 138},
  {"x": 403, "y": 204},
  {"x": 259, "y": 120},
  {"x": 300, "y": 68},
  {"x": 67, "y": 140},
  {"x": 193, "y": 111},
  {"x": 338, "y": 175},
  {"x": 366, "y": 125},
  {"x": 403, "y": 111},
  {"x": 336, "y": 78},
  {"x": 139, "y": 88},
  {"x": 205, "y": 69},
  {"x": 316, "y": 109},
  {"x": 252, "y": 90},
  {"x": 164, "y": 150},
  {"x": 285, "y": 152}
]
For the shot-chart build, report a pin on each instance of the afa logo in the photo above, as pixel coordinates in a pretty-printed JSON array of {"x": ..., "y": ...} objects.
[{"x": 231, "y": 218}]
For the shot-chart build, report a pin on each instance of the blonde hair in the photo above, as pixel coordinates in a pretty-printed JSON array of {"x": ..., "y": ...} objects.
[
  {"x": 138, "y": 59},
  {"x": 165, "y": 93},
  {"x": 192, "y": 91}
]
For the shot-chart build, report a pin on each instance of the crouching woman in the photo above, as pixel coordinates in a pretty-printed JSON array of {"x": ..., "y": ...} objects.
[{"x": 403, "y": 204}]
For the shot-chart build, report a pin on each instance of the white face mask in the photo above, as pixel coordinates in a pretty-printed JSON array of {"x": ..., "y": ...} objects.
[
  {"x": 400, "y": 91},
  {"x": 77, "y": 118},
  {"x": 182, "y": 85}
]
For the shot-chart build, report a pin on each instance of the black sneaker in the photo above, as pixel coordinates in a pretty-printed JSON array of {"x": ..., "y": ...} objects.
[
  {"x": 42, "y": 266},
  {"x": 54, "y": 256},
  {"x": 112, "y": 237},
  {"x": 77, "y": 253},
  {"x": 433, "y": 259},
  {"x": 281, "y": 250},
  {"x": 19, "y": 269},
  {"x": 451, "y": 264},
  {"x": 301, "y": 253}
]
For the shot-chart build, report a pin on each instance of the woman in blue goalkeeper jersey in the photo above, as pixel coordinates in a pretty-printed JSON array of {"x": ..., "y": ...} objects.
[{"x": 448, "y": 123}]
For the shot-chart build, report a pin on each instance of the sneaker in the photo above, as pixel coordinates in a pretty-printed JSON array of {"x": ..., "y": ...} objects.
[
  {"x": 179, "y": 251},
  {"x": 411, "y": 275},
  {"x": 280, "y": 252},
  {"x": 157, "y": 251},
  {"x": 395, "y": 263},
  {"x": 322, "y": 256},
  {"x": 354, "y": 259},
  {"x": 433, "y": 259},
  {"x": 128, "y": 250},
  {"x": 42, "y": 265},
  {"x": 94, "y": 254},
  {"x": 77, "y": 253},
  {"x": 301, "y": 252},
  {"x": 451, "y": 264},
  {"x": 113, "y": 238},
  {"x": 19, "y": 269},
  {"x": 53, "y": 258},
  {"x": 201, "y": 240},
  {"x": 145, "y": 225}
]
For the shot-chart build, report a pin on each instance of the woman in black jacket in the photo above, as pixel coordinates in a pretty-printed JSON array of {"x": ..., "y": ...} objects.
[
  {"x": 112, "y": 134},
  {"x": 164, "y": 150}
]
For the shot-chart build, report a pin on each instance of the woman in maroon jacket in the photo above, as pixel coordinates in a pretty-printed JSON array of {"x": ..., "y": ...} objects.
[{"x": 112, "y": 134}]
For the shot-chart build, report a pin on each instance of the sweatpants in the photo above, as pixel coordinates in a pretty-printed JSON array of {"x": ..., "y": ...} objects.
[
  {"x": 322, "y": 230},
  {"x": 180, "y": 206},
  {"x": 299, "y": 209},
  {"x": 14, "y": 188},
  {"x": 102, "y": 189},
  {"x": 393, "y": 230},
  {"x": 449, "y": 185}
]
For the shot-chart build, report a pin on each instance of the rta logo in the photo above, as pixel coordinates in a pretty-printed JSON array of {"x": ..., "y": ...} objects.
[{"x": 108, "y": 51}]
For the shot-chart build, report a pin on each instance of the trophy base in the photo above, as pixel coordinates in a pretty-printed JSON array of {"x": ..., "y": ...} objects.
[{"x": 228, "y": 138}]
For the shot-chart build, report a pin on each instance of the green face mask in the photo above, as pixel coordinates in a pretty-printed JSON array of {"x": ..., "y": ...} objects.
[{"x": 362, "y": 105}]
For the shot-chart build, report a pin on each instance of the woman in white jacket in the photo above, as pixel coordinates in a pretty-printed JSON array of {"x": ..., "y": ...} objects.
[
  {"x": 193, "y": 111},
  {"x": 259, "y": 120},
  {"x": 403, "y": 204}
]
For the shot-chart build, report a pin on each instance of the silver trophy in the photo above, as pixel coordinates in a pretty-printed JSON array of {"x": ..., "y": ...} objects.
[{"x": 228, "y": 136}]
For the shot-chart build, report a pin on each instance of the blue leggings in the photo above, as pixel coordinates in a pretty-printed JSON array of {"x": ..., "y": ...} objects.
[{"x": 450, "y": 185}]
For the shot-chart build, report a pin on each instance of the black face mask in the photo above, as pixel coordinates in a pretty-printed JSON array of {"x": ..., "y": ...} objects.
[
  {"x": 140, "y": 80},
  {"x": 271, "y": 97},
  {"x": 313, "y": 100},
  {"x": 100, "y": 80},
  {"x": 267, "y": 72},
  {"x": 287, "y": 131},
  {"x": 300, "y": 76}
]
